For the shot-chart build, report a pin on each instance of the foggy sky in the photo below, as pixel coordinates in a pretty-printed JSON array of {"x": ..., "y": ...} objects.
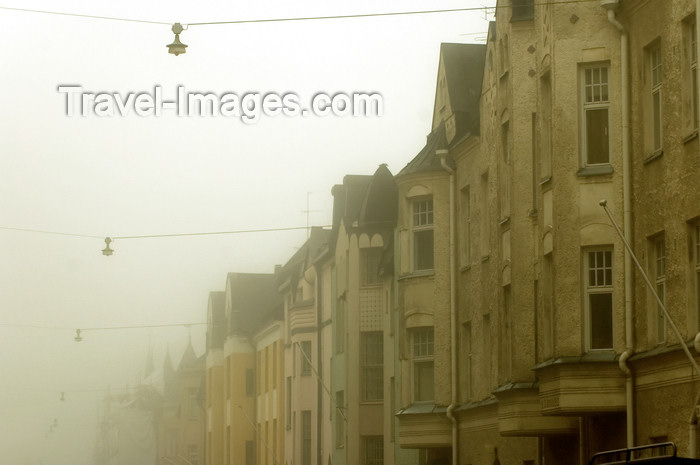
[{"x": 146, "y": 175}]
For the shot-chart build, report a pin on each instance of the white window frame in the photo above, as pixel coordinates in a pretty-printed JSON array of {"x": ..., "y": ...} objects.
[
  {"x": 422, "y": 221},
  {"x": 599, "y": 284},
  {"x": 594, "y": 96},
  {"x": 422, "y": 353}
]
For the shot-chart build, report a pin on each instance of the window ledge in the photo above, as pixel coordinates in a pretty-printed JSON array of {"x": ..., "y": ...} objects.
[
  {"x": 545, "y": 181},
  {"x": 654, "y": 156},
  {"x": 504, "y": 75},
  {"x": 504, "y": 221},
  {"x": 418, "y": 274},
  {"x": 594, "y": 170},
  {"x": 689, "y": 137},
  {"x": 465, "y": 268}
]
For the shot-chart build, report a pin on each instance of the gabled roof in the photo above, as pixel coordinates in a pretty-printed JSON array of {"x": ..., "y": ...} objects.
[
  {"x": 253, "y": 299},
  {"x": 189, "y": 358},
  {"x": 464, "y": 66},
  {"x": 305, "y": 256}
]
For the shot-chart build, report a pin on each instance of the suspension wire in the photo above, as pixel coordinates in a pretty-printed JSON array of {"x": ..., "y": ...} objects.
[
  {"x": 110, "y": 18},
  {"x": 309, "y": 18}
]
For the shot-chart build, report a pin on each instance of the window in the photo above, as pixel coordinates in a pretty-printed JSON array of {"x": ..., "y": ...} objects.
[
  {"x": 274, "y": 365},
  {"x": 523, "y": 10},
  {"x": 340, "y": 419},
  {"x": 369, "y": 265},
  {"x": 467, "y": 233},
  {"x": 690, "y": 58},
  {"x": 250, "y": 383},
  {"x": 658, "y": 275},
  {"x": 193, "y": 405},
  {"x": 339, "y": 326},
  {"x": 373, "y": 450},
  {"x": 192, "y": 454},
  {"x": 423, "y": 353},
  {"x": 484, "y": 220},
  {"x": 171, "y": 446},
  {"x": 695, "y": 265},
  {"x": 504, "y": 172},
  {"x": 305, "y": 358},
  {"x": 306, "y": 437},
  {"x": 288, "y": 402},
  {"x": 507, "y": 336},
  {"x": 467, "y": 350},
  {"x": 372, "y": 365},
  {"x": 486, "y": 349},
  {"x": 423, "y": 234},
  {"x": 545, "y": 143},
  {"x": 266, "y": 368},
  {"x": 548, "y": 306},
  {"x": 598, "y": 286},
  {"x": 655, "y": 80},
  {"x": 594, "y": 119},
  {"x": 249, "y": 453}
]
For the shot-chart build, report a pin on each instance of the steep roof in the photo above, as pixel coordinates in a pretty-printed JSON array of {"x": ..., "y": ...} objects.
[
  {"x": 464, "y": 68},
  {"x": 254, "y": 298},
  {"x": 427, "y": 159},
  {"x": 305, "y": 256}
]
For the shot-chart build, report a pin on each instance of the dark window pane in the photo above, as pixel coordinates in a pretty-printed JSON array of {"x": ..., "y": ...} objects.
[
  {"x": 423, "y": 249},
  {"x": 601, "y": 320},
  {"x": 423, "y": 381},
  {"x": 597, "y": 136}
]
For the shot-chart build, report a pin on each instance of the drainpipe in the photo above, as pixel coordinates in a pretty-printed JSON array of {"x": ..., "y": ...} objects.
[
  {"x": 611, "y": 6},
  {"x": 693, "y": 443},
  {"x": 453, "y": 310}
]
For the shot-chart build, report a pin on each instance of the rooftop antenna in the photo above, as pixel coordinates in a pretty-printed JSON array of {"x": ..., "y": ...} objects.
[{"x": 308, "y": 212}]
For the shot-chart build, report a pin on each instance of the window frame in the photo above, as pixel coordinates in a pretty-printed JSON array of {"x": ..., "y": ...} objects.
[
  {"x": 654, "y": 85},
  {"x": 695, "y": 266},
  {"x": 372, "y": 363},
  {"x": 595, "y": 289},
  {"x": 594, "y": 105},
  {"x": 305, "y": 368},
  {"x": 422, "y": 226},
  {"x": 370, "y": 260},
  {"x": 377, "y": 448},
  {"x": 422, "y": 358},
  {"x": 690, "y": 70},
  {"x": 466, "y": 208},
  {"x": 657, "y": 273},
  {"x": 339, "y": 419},
  {"x": 306, "y": 433}
]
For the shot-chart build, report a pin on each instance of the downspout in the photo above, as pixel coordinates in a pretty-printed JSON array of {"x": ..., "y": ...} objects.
[
  {"x": 319, "y": 355},
  {"x": 627, "y": 207},
  {"x": 693, "y": 424},
  {"x": 453, "y": 311}
]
